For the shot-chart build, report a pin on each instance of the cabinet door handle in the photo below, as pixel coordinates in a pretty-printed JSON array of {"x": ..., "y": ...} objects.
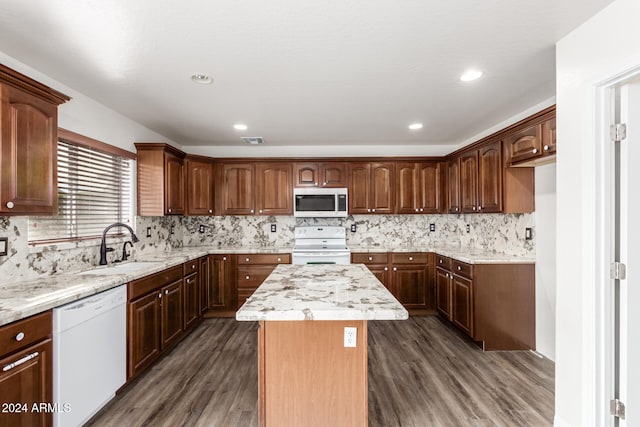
[
  {"x": 260, "y": 211},
  {"x": 373, "y": 210},
  {"x": 20, "y": 361},
  {"x": 251, "y": 211},
  {"x": 386, "y": 269},
  {"x": 479, "y": 208},
  {"x": 324, "y": 183},
  {"x": 160, "y": 295},
  {"x": 546, "y": 148},
  {"x": 188, "y": 280},
  {"x": 169, "y": 209},
  {"x": 10, "y": 205},
  {"x": 246, "y": 277},
  {"x": 421, "y": 209},
  {"x": 193, "y": 266},
  {"x": 416, "y": 209},
  {"x": 534, "y": 151},
  {"x": 456, "y": 209},
  {"x": 166, "y": 291},
  {"x": 368, "y": 210},
  {"x": 395, "y": 268},
  {"x": 315, "y": 183},
  {"x": 459, "y": 268},
  {"x": 474, "y": 208},
  {"x": 224, "y": 258},
  {"x": 210, "y": 211},
  {"x": 440, "y": 261}
]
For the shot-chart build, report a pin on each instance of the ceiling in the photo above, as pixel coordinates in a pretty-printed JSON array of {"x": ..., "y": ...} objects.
[{"x": 300, "y": 72}]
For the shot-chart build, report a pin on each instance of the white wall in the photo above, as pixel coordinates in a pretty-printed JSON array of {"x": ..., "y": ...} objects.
[
  {"x": 545, "y": 233},
  {"x": 600, "y": 49},
  {"x": 87, "y": 117}
]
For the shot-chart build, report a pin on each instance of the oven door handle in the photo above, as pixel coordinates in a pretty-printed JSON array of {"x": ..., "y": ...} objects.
[{"x": 320, "y": 254}]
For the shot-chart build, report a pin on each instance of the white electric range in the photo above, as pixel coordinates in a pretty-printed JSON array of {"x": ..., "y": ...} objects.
[{"x": 320, "y": 245}]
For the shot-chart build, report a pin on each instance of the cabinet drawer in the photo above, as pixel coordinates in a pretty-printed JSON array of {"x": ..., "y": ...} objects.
[
  {"x": 410, "y": 258},
  {"x": 155, "y": 281},
  {"x": 252, "y": 277},
  {"x": 190, "y": 267},
  {"x": 249, "y": 259},
  {"x": 369, "y": 258},
  {"x": 462, "y": 269},
  {"x": 443, "y": 261},
  {"x": 25, "y": 332}
]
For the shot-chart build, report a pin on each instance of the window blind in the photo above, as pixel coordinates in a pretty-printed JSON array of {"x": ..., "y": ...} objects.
[{"x": 94, "y": 190}]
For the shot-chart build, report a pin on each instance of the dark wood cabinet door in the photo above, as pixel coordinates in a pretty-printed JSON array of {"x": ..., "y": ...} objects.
[
  {"x": 382, "y": 188},
  {"x": 469, "y": 181},
  {"x": 382, "y": 274},
  {"x": 453, "y": 186},
  {"x": 171, "y": 314},
  {"x": 407, "y": 188},
  {"x": 143, "y": 332},
  {"x": 204, "y": 282},
  {"x": 409, "y": 285},
  {"x": 462, "y": 300},
  {"x": 28, "y": 144},
  {"x": 200, "y": 199},
  {"x": 549, "y": 137},
  {"x": 359, "y": 188},
  {"x": 490, "y": 178},
  {"x": 238, "y": 195},
  {"x": 431, "y": 187},
  {"x": 191, "y": 299},
  {"x": 220, "y": 293},
  {"x": 525, "y": 144},
  {"x": 333, "y": 175},
  {"x": 443, "y": 292},
  {"x": 174, "y": 185},
  {"x": 306, "y": 174},
  {"x": 274, "y": 189},
  {"x": 27, "y": 383}
]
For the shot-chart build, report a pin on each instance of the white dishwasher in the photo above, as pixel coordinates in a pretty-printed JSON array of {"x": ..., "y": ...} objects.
[{"x": 89, "y": 354}]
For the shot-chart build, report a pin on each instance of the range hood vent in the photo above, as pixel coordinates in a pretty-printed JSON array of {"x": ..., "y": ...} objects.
[{"x": 253, "y": 140}]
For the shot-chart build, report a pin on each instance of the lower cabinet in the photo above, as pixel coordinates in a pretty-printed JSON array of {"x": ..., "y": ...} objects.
[
  {"x": 160, "y": 308},
  {"x": 409, "y": 276},
  {"x": 26, "y": 376},
  {"x": 462, "y": 304},
  {"x": 252, "y": 270},
  {"x": 443, "y": 291},
  {"x": 220, "y": 290}
]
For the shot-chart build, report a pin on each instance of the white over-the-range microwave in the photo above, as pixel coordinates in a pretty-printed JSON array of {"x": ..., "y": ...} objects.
[{"x": 320, "y": 202}]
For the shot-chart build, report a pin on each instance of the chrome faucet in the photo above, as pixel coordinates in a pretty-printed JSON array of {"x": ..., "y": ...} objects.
[{"x": 103, "y": 246}]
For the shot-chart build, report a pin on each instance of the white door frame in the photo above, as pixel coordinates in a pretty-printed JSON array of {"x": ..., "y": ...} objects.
[{"x": 603, "y": 294}]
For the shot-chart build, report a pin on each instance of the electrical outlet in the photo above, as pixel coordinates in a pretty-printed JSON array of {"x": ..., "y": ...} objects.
[
  {"x": 432, "y": 227},
  {"x": 201, "y": 228},
  {"x": 528, "y": 233},
  {"x": 273, "y": 228},
  {"x": 172, "y": 230},
  {"x": 468, "y": 228},
  {"x": 148, "y": 231},
  {"x": 350, "y": 336},
  {"x": 4, "y": 246},
  {"x": 353, "y": 228}
]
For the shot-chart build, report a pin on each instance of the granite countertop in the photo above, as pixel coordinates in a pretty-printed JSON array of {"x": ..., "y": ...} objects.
[
  {"x": 22, "y": 299},
  {"x": 470, "y": 256},
  {"x": 321, "y": 292}
]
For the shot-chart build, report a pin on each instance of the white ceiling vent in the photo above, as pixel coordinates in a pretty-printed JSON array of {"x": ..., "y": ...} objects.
[{"x": 253, "y": 140}]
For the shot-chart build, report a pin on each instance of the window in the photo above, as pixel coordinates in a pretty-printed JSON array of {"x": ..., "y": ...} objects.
[{"x": 95, "y": 184}]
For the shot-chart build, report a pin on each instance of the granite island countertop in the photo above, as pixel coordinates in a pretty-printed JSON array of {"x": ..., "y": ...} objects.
[
  {"x": 321, "y": 292},
  {"x": 468, "y": 255}
]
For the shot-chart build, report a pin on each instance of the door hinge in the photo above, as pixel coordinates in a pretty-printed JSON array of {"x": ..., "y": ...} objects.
[
  {"x": 617, "y": 408},
  {"x": 618, "y": 132},
  {"x": 618, "y": 271}
]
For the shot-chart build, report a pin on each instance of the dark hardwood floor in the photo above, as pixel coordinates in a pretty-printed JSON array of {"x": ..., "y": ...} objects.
[{"x": 422, "y": 372}]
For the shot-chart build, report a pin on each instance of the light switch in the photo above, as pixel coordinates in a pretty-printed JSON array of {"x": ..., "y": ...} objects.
[{"x": 4, "y": 246}]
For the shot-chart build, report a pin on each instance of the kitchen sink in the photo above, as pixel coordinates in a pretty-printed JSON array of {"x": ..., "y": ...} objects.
[{"x": 122, "y": 268}]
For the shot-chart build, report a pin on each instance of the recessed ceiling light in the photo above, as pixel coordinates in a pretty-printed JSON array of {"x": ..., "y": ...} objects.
[
  {"x": 202, "y": 79},
  {"x": 240, "y": 126},
  {"x": 471, "y": 75},
  {"x": 415, "y": 126}
]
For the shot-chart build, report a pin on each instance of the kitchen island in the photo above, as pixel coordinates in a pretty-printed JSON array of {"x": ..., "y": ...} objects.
[{"x": 307, "y": 376}]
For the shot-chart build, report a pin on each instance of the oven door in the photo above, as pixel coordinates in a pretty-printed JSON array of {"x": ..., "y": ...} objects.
[{"x": 319, "y": 257}]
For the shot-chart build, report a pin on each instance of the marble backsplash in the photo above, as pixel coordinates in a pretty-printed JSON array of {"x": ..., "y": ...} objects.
[{"x": 497, "y": 232}]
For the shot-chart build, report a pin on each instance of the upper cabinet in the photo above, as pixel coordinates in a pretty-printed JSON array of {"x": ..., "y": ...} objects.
[
  {"x": 481, "y": 179},
  {"x": 453, "y": 186},
  {"x": 534, "y": 145},
  {"x": 371, "y": 187},
  {"x": 323, "y": 175},
  {"x": 420, "y": 187},
  {"x": 263, "y": 188},
  {"x": 161, "y": 180},
  {"x": 28, "y": 145},
  {"x": 199, "y": 189}
]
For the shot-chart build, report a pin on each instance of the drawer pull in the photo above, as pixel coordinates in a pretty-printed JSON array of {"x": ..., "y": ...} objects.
[
  {"x": 224, "y": 258},
  {"x": 534, "y": 151},
  {"x": 410, "y": 258},
  {"x": 193, "y": 266},
  {"x": 188, "y": 280},
  {"x": 440, "y": 261},
  {"x": 19, "y": 362},
  {"x": 19, "y": 336},
  {"x": 166, "y": 291},
  {"x": 246, "y": 259},
  {"x": 459, "y": 268},
  {"x": 546, "y": 148},
  {"x": 246, "y": 277},
  {"x": 386, "y": 269},
  {"x": 10, "y": 205},
  {"x": 160, "y": 295},
  {"x": 279, "y": 259},
  {"x": 370, "y": 258}
]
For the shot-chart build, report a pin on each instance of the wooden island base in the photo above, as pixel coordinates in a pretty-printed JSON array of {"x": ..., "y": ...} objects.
[{"x": 306, "y": 377}]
